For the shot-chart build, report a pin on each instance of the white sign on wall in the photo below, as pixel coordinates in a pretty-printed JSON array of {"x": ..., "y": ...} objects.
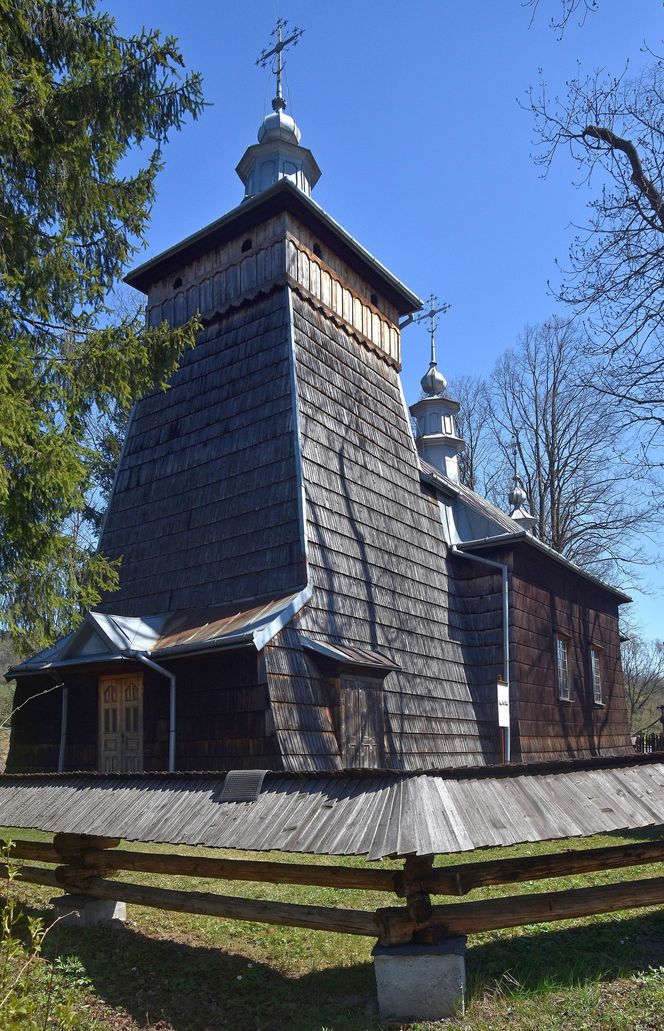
[{"x": 503, "y": 704}]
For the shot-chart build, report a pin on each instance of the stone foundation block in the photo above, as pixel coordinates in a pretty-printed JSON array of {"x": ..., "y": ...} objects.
[
  {"x": 84, "y": 911},
  {"x": 420, "y": 982}
]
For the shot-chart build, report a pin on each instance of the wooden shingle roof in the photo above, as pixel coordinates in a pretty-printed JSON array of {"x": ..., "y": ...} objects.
[{"x": 373, "y": 813}]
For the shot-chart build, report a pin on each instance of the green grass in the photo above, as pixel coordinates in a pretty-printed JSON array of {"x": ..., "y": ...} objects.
[{"x": 175, "y": 972}]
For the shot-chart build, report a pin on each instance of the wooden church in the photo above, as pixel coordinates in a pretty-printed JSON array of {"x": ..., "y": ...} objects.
[{"x": 304, "y": 582}]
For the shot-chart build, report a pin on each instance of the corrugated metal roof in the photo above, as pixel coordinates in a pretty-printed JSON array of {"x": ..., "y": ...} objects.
[
  {"x": 369, "y": 813},
  {"x": 169, "y": 634}
]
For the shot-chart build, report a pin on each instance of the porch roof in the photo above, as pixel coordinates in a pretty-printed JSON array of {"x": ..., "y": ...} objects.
[{"x": 104, "y": 637}]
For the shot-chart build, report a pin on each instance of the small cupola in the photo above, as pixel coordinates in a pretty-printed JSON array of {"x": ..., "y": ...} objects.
[
  {"x": 518, "y": 500},
  {"x": 278, "y": 154},
  {"x": 435, "y": 414}
]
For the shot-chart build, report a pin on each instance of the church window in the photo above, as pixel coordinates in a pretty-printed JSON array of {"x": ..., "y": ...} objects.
[
  {"x": 177, "y": 283},
  {"x": 246, "y": 246},
  {"x": 318, "y": 250},
  {"x": 562, "y": 668},
  {"x": 596, "y": 675}
]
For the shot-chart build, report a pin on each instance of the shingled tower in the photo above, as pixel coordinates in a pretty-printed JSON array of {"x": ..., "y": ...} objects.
[{"x": 287, "y": 596}]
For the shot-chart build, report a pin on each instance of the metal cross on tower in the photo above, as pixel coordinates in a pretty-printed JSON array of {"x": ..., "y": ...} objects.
[
  {"x": 277, "y": 51},
  {"x": 434, "y": 309}
]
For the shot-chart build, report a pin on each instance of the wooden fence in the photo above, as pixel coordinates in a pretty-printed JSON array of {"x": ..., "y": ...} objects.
[
  {"x": 649, "y": 743},
  {"x": 87, "y": 865}
]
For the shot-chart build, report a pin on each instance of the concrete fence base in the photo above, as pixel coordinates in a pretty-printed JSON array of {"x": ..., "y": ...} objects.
[{"x": 420, "y": 982}]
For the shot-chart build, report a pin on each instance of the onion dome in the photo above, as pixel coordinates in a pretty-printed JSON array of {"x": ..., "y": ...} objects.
[
  {"x": 279, "y": 126},
  {"x": 518, "y": 500},
  {"x": 517, "y": 495},
  {"x": 433, "y": 382}
]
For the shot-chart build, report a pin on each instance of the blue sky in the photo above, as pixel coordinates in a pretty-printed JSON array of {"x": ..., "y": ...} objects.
[{"x": 412, "y": 113}]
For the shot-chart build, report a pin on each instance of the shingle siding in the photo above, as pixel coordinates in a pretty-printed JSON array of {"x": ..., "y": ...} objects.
[
  {"x": 204, "y": 510},
  {"x": 376, "y": 560}
]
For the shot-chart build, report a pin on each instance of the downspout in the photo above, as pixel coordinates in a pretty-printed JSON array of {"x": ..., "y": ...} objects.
[
  {"x": 502, "y": 566},
  {"x": 140, "y": 657},
  {"x": 63, "y": 729}
]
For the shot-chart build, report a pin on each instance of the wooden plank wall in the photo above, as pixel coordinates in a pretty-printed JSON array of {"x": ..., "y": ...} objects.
[
  {"x": 376, "y": 557},
  {"x": 224, "y": 720},
  {"x": 546, "y": 598},
  {"x": 35, "y": 736}
]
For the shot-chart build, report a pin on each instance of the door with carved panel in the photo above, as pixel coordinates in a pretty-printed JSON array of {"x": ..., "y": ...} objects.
[
  {"x": 362, "y": 714},
  {"x": 121, "y": 723}
]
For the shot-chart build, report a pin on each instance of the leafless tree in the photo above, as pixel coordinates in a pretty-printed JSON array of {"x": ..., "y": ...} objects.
[
  {"x": 563, "y": 11},
  {"x": 474, "y": 423},
  {"x": 590, "y": 504},
  {"x": 613, "y": 127},
  {"x": 643, "y": 671}
]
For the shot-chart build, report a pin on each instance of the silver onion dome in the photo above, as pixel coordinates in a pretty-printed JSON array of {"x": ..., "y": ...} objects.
[
  {"x": 279, "y": 126},
  {"x": 517, "y": 496},
  {"x": 433, "y": 382}
]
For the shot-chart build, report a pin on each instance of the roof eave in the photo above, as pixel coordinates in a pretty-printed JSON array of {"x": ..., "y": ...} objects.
[
  {"x": 522, "y": 536},
  {"x": 282, "y": 195}
]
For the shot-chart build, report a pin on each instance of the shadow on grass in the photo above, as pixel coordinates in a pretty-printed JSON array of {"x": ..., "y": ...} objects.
[
  {"x": 164, "y": 983},
  {"x": 554, "y": 957}
]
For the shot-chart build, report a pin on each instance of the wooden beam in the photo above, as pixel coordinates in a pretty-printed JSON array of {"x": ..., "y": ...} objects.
[
  {"x": 222, "y": 869},
  {"x": 463, "y": 877},
  {"x": 33, "y": 875},
  {"x": 450, "y": 880},
  {"x": 515, "y": 910},
  {"x": 320, "y": 918}
]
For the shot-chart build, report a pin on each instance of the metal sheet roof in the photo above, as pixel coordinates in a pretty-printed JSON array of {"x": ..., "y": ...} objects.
[
  {"x": 369, "y": 813},
  {"x": 349, "y": 655},
  {"x": 168, "y": 634}
]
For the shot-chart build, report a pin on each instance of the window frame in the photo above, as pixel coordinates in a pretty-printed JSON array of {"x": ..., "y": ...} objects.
[
  {"x": 563, "y": 672},
  {"x": 596, "y": 679}
]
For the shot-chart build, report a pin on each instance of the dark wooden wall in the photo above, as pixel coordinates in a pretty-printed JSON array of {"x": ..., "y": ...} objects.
[
  {"x": 35, "y": 736},
  {"x": 377, "y": 564},
  {"x": 223, "y": 716},
  {"x": 204, "y": 508},
  {"x": 545, "y": 599}
]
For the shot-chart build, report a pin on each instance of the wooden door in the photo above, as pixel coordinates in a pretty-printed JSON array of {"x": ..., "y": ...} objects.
[
  {"x": 362, "y": 706},
  {"x": 121, "y": 723}
]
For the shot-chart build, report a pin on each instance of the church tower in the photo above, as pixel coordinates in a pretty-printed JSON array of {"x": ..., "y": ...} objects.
[{"x": 435, "y": 413}]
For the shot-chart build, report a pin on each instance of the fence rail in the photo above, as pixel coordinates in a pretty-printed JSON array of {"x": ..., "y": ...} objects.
[
  {"x": 86, "y": 865},
  {"x": 649, "y": 743}
]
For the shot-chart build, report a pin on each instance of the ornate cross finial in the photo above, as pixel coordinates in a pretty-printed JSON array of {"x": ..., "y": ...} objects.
[
  {"x": 434, "y": 309},
  {"x": 277, "y": 51}
]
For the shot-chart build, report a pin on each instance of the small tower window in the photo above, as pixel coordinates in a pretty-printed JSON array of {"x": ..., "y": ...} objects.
[
  {"x": 562, "y": 668},
  {"x": 177, "y": 283},
  {"x": 318, "y": 251},
  {"x": 596, "y": 676},
  {"x": 374, "y": 300},
  {"x": 246, "y": 245}
]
